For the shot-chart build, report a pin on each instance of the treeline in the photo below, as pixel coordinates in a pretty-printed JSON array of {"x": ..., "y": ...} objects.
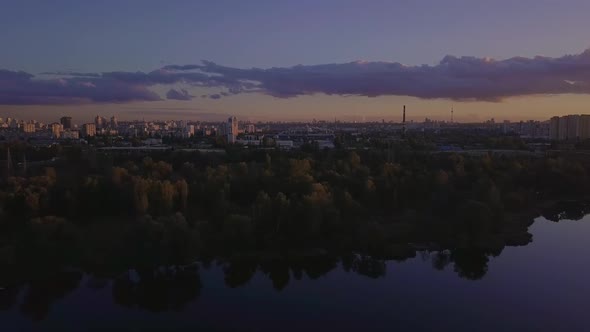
[{"x": 176, "y": 205}]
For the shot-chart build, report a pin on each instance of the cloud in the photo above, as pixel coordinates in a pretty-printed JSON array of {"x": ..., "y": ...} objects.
[
  {"x": 185, "y": 67},
  {"x": 178, "y": 95},
  {"x": 76, "y": 74},
  {"x": 456, "y": 78},
  {"x": 20, "y": 88}
]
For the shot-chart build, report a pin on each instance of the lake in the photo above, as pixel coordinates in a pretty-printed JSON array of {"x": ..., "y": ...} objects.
[{"x": 542, "y": 286}]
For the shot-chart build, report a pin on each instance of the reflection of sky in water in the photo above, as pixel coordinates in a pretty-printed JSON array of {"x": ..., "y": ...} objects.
[{"x": 539, "y": 287}]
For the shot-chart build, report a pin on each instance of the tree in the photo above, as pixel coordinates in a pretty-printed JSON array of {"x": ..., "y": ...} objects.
[
  {"x": 118, "y": 175},
  {"x": 140, "y": 195},
  {"x": 182, "y": 189},
  {"x": 281, "y": 206},
  {"x": 167, "y": 193},
  {"x": 262, "y": 211}
]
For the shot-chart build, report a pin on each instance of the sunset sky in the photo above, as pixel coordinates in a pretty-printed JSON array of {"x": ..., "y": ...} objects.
[{"x": 294, "y": 60}]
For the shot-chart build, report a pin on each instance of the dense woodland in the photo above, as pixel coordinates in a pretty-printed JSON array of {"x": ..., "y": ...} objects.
[{"x": 107, "y": 213}]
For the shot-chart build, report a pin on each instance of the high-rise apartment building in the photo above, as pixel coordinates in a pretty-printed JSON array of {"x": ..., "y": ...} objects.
[
  {"x": 66, "y": 122},
  {"x": 231, "y": 129},
  {"x": 570, "y": 127},
  {"x": 573, "y": 123},
  {"x": 29, "y": 128},
  {"x": 189, "y": 130},
  {"x": 100, "y": 122},
  {"x": 56, "y": 129},
  {"x": 114, "y": 122},
  {"x": 554, "y": 128},
  {"x": 89, "y": 130},
  {"x": 562, "y": 132},
  {"x": 584, "y": 126}
]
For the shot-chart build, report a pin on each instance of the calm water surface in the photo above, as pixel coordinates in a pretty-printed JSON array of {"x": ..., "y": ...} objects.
[{"x": 539, "y": 287}]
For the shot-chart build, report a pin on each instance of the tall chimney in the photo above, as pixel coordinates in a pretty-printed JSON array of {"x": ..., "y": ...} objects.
[
  {"x": 404, "y": 118},
  {"x": 404, "y": 123}
]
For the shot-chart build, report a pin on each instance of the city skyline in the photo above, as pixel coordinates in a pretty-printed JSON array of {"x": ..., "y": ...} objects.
[
  {"x": 391, "y": 113},
  {"x": 358, "y": 59}
]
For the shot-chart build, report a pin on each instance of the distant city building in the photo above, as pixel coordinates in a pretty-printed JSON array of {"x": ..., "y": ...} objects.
[
  {"x": 110, "y": 132},
  {"x": 250, "y": 128},
  {"x": 66, "y": 122},
  {"x": 29, "y": 128},
  {"x": 573, "y": 123},
  {"x": 284, "y": 144},
  {"x": 506, "y": 127},
  {"x": 56, "y": 129},
  {"x": 564, "y": 128},
  {"x": 570, "y": 127},
  {"x": 89, "y": 130},
  {"x": 189, "y": 131},
  {"x": 250, "y": 139},
  {"x": 152, "y": 141},
  {"x": 554, "y": 128},
  {"x": 584, "y": 126},
  {"x": 70, "y": 134},
  {"x": 231, "y": 129},
  {"x": 13, "y": 124},
  {"x": 100, "y": 122},
  {"x": 534, "y": 129},
  {"x": 114, "y": 122}
]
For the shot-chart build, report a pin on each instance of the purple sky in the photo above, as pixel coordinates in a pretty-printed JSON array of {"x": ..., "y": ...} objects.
[{"x": 134, "y": 52}]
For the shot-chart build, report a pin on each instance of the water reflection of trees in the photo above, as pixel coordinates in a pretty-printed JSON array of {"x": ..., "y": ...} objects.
[
  {"x": 173, "y": 288},
  {"x": 158, "y": 290},
  {"x": 280, "y": 270},
  {"x": 364, "y": 265},
  {"x": 34, "y": 288},
  {"x": 468, "y": 263},
  {"x": 39, "y": 294}
]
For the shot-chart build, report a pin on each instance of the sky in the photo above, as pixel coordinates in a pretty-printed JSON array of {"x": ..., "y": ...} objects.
[{"x": 323, "y": 59}]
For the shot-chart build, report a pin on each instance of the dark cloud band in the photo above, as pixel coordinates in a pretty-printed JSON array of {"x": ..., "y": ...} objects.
[
  {"x": 456, "y": 78},
  {"x": 464, "y": 78}
]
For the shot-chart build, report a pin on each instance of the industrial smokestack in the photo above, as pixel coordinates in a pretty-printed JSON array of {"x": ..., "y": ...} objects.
[
  {"x": 404, "y": 123},
  {"x": 404, "y": 118}
]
